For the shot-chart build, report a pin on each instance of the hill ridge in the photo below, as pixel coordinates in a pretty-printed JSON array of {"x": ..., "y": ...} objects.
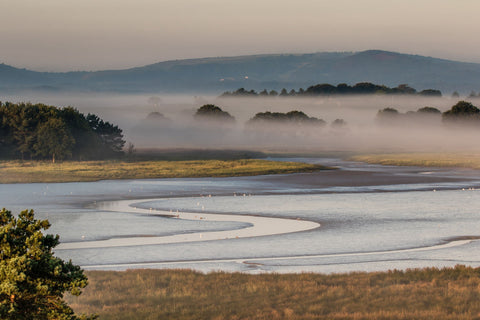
[{"x": 259, "y": 71}]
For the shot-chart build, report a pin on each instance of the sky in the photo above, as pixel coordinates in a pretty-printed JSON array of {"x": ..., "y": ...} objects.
[{"x": 72, "y": 35}]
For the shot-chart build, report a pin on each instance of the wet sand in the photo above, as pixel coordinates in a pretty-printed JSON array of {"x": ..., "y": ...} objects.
[
  {"x": 258, "y": 226},
  {"x": 354, "y": 178}
]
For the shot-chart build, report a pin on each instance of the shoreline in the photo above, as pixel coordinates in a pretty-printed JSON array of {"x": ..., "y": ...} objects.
[
  {"x": 462, "y": 160},
  {"x": 16, "y": 172},
  {"x": 258, "y": 261}
]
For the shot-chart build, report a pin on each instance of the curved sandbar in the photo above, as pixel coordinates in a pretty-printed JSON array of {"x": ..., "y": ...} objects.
[
  {"x": 259, "y": 226},
  {"x": 262, "y": 260}
]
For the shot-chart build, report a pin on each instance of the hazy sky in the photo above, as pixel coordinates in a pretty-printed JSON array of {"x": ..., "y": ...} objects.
[{"x": 61, "y": 35}]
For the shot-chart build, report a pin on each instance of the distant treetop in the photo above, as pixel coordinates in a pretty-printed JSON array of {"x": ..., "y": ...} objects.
[
  {"x": 291, "y": 117},
  {"x": 462, "y": 112},
  {"x": 212, "y": 112},
  {"x": 325, "y": 89}
]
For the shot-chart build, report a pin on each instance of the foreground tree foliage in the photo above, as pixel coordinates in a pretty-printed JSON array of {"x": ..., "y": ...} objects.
[
  {"x": 32, "y": 280},
  {"x": 38, "y": 131}
]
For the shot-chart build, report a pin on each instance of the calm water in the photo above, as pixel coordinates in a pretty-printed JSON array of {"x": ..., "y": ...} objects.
[{"x": 362, "y": 228}]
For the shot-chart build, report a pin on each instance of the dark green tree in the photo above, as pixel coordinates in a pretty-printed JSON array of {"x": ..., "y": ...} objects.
[
  {"x": 32, "y": 280},
  {"x": 110, "y": 136},
  {"x": 429, "y": 110},
  {"x": 292, "y": 117},
  {"x": 369, "y": 88},
  {"x": 404, "y": 89},
  {"x": 23, "y": 126},
  {"x": 53, "y": 140},
  {"x": 212, "y": 112},
  {"x": 339, "y": 123},
  {"x": 461, "y": 113},
  {"x": 86, "y": 141},
  {"x": 263, "y": 93},
  {"x": 283, "y": 93},
  {"x": 321, "y": 89},
  {"x": 388, "y": 116},
  {"x": 430, "y": 93}
]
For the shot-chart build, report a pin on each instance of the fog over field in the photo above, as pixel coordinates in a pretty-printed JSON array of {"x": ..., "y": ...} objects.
[{"x": 168, "y": 122}]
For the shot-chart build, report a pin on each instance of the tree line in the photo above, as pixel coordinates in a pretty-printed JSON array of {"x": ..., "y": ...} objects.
[
  {"x": 38, "y": 131},
  {"x": 463, "y": 113},
  {"x": 326, "y": 89},
  {"x": 211, "y": 112}
]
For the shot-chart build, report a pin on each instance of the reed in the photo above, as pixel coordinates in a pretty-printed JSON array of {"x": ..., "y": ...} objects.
[{"x": 450, "y": 293}]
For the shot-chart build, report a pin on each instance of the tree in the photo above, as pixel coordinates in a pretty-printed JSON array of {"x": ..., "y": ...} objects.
[
  {"x": 53, "y": 140},
  {"x": 339, "y": 123},
  {"x": 292, "y": 117},
  {"x": 110, "y": 136},
  {"x": 212, "y": 112},
  {"x": 404, "y": 89},
  {"x": 27, "y": 130},
  {"x": 462, "y": 112},
  {"x": 32, "y": 280},
  {"x": 429, "y": 110},
  {"x": 388, "y": 116},
  {"x": 431, "y": 93}
]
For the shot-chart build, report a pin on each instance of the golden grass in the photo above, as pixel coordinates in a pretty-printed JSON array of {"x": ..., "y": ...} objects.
[
  {"x": 73, "y": 171},
  {"x": 181, "y": 294},
  {"x": 459, "y": 160}
]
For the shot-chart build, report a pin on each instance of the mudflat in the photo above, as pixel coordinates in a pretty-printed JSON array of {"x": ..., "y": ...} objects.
[{"x": 357, "y": 178}]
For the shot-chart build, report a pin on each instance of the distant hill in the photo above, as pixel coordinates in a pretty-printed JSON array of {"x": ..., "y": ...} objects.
[{"x": 274, "y": 71}]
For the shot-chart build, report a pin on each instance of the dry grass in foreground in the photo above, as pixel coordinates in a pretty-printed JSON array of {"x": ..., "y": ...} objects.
[
  {"x": 74, "y": 171},
  {"x": 459, "y": 160},
  {"x": 452, "y": 293}
]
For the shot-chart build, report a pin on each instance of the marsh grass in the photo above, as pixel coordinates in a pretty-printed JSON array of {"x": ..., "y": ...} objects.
[
  {"x": 76, "y": 171},
  {"x": 458, "y": 160},
  {"x": 451, "y": 293}
]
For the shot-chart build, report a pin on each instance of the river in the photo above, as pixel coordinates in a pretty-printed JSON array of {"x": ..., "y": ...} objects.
[{"x": 357, "y": 218}]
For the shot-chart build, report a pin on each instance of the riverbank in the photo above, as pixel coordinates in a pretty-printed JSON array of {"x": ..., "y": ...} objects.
[
  {"x": 450, "y": 293},
  {"x": 82, "y": 171},
  {"x": 450, "y": 160}
]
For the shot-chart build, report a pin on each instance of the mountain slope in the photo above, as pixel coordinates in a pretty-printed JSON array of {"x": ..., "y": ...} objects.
[{"x": 257, "y": 72}]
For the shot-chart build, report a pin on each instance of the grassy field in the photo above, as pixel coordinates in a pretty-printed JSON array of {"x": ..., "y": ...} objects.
[
  {"x": 459, "y": 160},
  {"x": 181, "y": 294},
  {"x": 72, "y": 171}
]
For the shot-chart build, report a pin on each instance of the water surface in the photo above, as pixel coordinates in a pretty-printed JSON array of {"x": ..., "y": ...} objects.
[{"x": 420, "y": 217}]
